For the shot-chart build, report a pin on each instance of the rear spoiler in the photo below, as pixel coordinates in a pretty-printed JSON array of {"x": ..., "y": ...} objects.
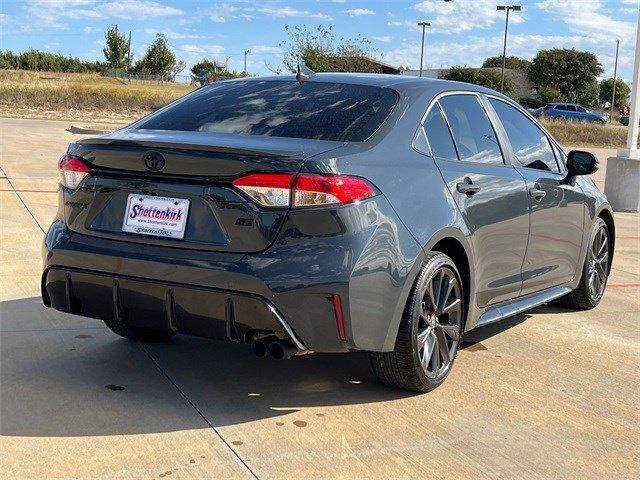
[{"x": 232, "y": 149}]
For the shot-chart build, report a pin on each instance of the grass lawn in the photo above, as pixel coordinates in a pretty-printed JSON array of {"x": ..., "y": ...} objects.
[
  {"x": 82, "y": 97},
  {"x": 587, "y": 134}
]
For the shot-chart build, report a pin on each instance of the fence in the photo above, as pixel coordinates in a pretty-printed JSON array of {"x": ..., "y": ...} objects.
[{"x": 145, "y": 77}]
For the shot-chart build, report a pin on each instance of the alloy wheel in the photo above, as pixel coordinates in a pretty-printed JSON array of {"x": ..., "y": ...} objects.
[
  {"x": 440, "y": 322},
  {"x": 598, "y": 263}
]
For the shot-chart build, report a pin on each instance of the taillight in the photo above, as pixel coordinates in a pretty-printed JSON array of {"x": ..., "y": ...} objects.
[
  {"x": 268, "y": 189},
  {"x": 310, "y": 190},
  {"x": 72, "y": 170},
  {"x": 306, "y": 189}
]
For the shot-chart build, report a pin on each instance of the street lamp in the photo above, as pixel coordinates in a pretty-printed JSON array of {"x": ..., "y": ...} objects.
[
  {"x": 515, "y": 8},
  {"x": 424, "y": 25}
]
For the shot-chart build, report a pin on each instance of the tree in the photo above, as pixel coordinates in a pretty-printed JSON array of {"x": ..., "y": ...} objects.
[
  {"x": 116, "y": 48},
  {"x": 622, "y": 91},
  {"x": 486, "y": 78},
  {"x": 206, "y": 64},
  {"x": 321, "y": 53},
  {"x": 513, "y": 63},
  {"x": 159, "y": 59},
  {"x": 569, "y": 71}
]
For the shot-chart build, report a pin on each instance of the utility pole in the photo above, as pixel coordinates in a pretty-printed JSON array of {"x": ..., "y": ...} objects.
[
  {"x": 515, "y": 8},
  {"x": 424, "y": 25},
  {"x": 615, "y": 80},
  {"x": 246, "y": 52},
  {"x": 129, "y": 51}
]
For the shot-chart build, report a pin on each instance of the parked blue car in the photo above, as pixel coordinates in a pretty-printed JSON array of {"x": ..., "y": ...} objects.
[{"x": 572, "y": 111}]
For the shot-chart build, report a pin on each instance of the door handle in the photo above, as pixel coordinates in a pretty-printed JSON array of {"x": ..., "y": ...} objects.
[
  {"x": 467, "y": 187},
  {"x": 536, "y": 192}
]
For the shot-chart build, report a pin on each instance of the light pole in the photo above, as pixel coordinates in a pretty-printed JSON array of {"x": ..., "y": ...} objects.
[
  {"x": 515, "y": 8},
  {"x": 246, "y": 52},
  {"x": 424, "y": 25},
  {"x": 615, "y": 79}
]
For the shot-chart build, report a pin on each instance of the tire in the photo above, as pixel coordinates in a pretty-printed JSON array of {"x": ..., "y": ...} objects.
[
  {"x": 424, "y": 328},
  {"x": 145, "y": 335},
  {"x": 584, "y": 297}
]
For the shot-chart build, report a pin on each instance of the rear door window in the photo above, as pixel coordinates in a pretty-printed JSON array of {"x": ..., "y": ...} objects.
[
  {"x": 438, "y": 134},
  {"x": 281, "y": 108},
  {"x": 472, "y": 131},
  {"x": 530, "y": 145}
]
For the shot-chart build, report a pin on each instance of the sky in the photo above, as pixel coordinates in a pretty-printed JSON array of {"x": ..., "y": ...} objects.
[{"x": 462, "y": 32}]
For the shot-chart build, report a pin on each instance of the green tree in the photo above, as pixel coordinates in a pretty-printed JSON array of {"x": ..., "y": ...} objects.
[
  {"x": 514, "y": 63},
  {"x": 569, "y": 71},
  {"x": 549, "y": 94},
  {"x": 115, "y": 50},
  {"x": 486, "y": 78},
  {"x": 206, "y": 64},
  {"x": 159, "y": 59},
  {"x": 321, "y": 52},
  {"x": 587, "y": 94},
  {"x": 622, "y": 91}
]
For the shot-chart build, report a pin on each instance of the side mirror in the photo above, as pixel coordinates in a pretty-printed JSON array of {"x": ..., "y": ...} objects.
[{"x": 581, "y": 163}]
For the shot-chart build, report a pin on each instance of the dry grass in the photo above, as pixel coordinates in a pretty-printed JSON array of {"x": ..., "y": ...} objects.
[
  {"x": 586, "y": 134},
  {"x": 81, "y": 96}
]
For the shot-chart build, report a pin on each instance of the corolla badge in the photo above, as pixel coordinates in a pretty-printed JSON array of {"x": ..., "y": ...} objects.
[{"x": 154, "y": 161}]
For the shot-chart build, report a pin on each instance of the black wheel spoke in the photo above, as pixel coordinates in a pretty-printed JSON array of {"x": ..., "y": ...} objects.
[
  {"x": 601, "y": 272},
  {"x": 431, "y": 298},
  {"x": 603, "y": 258},
  {"x": 603, "y": 244},
  {"x": 451, "y": 330},
  {"x": 442, "y": 346},
  {"x": 436, "y": 363},
  {"x": 449, "y": 283},
  {"x": 452, "y": 307},
  {"x": 438, "y": 279}
]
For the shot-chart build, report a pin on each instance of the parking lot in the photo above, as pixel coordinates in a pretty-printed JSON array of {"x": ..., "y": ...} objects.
[{"x": 552, "y": 393}]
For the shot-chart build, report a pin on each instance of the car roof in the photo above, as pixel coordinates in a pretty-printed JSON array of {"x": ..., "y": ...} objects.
[{"x": 397, "y": 82}]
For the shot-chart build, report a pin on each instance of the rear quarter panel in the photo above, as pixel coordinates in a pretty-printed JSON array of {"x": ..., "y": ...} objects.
[{"x": 423, "y": 211}]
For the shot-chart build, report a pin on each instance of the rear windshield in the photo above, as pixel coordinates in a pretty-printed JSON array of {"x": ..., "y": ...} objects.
[{"x": 314, "y": 110}]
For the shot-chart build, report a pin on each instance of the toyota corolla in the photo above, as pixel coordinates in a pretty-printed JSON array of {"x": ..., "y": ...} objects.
[{"x": 343, "y": 212}]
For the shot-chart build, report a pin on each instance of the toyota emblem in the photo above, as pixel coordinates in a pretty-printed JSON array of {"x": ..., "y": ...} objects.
[{"x": 154, "y": 161}]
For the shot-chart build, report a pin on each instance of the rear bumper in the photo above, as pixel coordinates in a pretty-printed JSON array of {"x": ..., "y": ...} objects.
[
  {"x": 361, "y": 252},
  {"x": 163, "y": 305}
]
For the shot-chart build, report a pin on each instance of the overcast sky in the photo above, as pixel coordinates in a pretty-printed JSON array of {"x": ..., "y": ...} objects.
[{"x": 463, "y": 32}]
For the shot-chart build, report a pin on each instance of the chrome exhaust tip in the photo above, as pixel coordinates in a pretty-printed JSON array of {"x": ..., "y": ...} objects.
[
  {"x": 260, "y": 348},
  {"x": 281, "y": 350}
]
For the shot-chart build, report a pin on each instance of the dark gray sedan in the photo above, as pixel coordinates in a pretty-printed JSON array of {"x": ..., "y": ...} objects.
[{"x": 346, "y": 212}]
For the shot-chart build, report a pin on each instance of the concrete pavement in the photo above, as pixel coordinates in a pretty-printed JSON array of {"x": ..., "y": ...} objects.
[{"x": 549, "y": 394}]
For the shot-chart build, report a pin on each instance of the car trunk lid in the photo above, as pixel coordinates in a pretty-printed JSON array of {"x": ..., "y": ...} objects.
[{"x": 198, "y": 167}]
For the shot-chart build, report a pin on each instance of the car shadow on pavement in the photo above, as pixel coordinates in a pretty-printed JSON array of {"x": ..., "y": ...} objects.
[
  {"x": 63, "y": 375},
  {"x": 479, "y": 334}
]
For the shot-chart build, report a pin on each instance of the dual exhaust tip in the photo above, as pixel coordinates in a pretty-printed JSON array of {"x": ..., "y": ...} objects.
[{"x": 273, "y": 347}]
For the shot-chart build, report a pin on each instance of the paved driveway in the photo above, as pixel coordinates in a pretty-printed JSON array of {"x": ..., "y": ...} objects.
[{"x": 549, "y": 394}]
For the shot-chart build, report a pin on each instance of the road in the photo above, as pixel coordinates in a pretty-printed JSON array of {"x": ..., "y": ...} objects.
[{"x": 549, "y": 394}]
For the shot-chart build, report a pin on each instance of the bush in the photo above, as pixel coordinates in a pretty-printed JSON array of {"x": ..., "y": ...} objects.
[
  {"x": 486, "y": 78},
  {"x": 43, "y": 61},
  {"x": 514, "y": 63},
  {"x": 622, "y": 91}
]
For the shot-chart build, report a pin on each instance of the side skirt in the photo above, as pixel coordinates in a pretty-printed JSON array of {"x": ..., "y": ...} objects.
[{"x": 520, "y": 305}]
